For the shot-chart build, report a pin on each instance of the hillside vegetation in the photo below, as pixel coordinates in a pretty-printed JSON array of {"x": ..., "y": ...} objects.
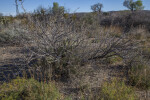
[{"x": 54, "y": 55}]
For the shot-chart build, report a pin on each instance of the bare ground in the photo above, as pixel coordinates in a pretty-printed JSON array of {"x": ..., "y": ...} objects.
[{"x": 12, "y": 60}]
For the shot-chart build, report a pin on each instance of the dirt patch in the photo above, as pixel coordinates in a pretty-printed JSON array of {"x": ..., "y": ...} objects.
[{"x": 12, "y": 60}]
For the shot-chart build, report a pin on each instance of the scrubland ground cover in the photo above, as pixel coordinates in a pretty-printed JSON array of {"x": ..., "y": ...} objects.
[{"x": 63, "y": 56}]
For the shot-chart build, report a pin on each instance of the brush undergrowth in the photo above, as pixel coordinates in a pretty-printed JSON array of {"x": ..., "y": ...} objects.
[
  {"x": 112, "y": 90},
  {"x": 117, "y": 90},
  {"x": 29, "y": 89},
  {"x": 139, "y": 76}
]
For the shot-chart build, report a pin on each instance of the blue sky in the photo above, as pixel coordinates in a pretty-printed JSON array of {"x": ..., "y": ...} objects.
[{"x": 8, "y": 6}]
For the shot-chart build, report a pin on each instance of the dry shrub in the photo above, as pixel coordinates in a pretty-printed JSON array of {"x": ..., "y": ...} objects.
[{"x": 65, "y": 46}]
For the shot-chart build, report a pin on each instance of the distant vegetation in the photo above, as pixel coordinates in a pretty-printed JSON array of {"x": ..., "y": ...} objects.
[
  {"x": 133, "y": 5},
  {"x": 97, "y": 7}
]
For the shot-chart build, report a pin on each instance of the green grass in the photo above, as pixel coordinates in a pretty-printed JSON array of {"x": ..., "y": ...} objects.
[
  {"x": 117, "y": 90},
  {"x": 139, "y": 76},
  {"x": 114, "y": 60},
  {"x": 111, "y": 90},
  {"x": 29, "y": 89}
]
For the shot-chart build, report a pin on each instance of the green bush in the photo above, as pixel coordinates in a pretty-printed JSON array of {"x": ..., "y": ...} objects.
[
  {"x": 88, "y": 19},
  {"x": 117, "y": 90},
  {"x": 29, "y": 89},
  {"x": 106, "y": 13},
  {"x": 114, "y": 60},
  {"x": 139, "y": 76},
  {"x": 146, "y": 52},
  {"x": 66, "y": 15}
]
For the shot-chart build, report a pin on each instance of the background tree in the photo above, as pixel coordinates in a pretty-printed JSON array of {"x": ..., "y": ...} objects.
[
  {"x": 139, "y": 5},
  {"x": 57, "y": 9},
  {"x": 133, "y": 5},
  {"x": 97, "y": 7}
]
